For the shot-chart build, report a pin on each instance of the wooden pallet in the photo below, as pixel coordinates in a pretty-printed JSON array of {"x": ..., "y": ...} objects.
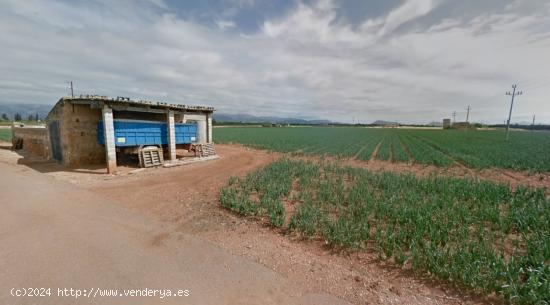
[
  {"x": 208, "y": 150},
  {"x": 150, "y": 156},
  {"x": 203, "y": 150}
]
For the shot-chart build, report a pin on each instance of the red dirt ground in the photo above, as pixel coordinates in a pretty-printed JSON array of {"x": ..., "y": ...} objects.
[{"x": 186, "y": 199}]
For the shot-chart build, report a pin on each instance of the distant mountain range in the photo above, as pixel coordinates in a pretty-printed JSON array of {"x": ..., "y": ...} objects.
[
  {"x": 25, "y": 110},
  {"x": 247, "y": 118},
  {"x": 435, "y": 124},
  {"x": 384, "y": 123}
]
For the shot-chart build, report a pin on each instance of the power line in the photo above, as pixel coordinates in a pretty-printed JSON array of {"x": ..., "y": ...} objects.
[{"x": 514, "y": 93}]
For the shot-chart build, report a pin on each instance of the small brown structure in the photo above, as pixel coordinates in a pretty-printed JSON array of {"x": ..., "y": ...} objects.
[
  {"x": 461, "y": 125},
  {"x": 446, "y": 123},
  {"x": 71, "y": 133}
]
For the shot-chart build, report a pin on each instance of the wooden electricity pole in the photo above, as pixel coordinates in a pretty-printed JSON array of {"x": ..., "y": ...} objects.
[
  {"x": 467, "y": 113},
  {"x": 514, "y": 93}
]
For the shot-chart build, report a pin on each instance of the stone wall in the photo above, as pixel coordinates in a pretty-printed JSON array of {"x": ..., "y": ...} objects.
[
  {"x": 35, "y": 140},
  {"x": 78, "y": 132}
]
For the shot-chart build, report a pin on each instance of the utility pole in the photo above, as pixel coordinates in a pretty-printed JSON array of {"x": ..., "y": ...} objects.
[
  {"x": 514, "y": 93},
  {"x": 533, "y": 124},
  {"x": 467, "y": 113},
  {"x": 454, "y": 117},
  {"x": 71, "y": 83}
]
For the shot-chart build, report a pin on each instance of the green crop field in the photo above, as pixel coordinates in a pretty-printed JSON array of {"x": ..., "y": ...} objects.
[
  {"x": 5, "y": 134},
  {"x": 475, "y": 149},
  {"x": 476, "y": 235}
]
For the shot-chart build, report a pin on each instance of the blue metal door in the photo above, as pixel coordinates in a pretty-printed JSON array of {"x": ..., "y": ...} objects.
[{"x": 55, "y": 140}]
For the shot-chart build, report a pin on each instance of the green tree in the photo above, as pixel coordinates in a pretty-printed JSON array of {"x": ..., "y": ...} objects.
[
  {"x": 5, "y": 117},
  {"x": 17, "y": 117}
]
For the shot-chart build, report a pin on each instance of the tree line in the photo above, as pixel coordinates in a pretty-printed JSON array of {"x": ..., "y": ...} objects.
[{"x": 17, "y": 117}]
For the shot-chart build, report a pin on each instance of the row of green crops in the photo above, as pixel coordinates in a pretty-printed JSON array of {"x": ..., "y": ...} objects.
[
  {"x": 5, "y": 134},
  {"x": 482, "y": 149},
  {"x": 476, "y": 235},
  {"x": 476, "y": 149}
]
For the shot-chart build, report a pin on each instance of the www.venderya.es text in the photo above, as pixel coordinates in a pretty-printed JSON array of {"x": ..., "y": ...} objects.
[{"x": 95, "y": 292}]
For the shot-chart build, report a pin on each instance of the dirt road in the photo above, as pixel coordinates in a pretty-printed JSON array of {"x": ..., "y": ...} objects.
[{"x": 58, "y": 235}]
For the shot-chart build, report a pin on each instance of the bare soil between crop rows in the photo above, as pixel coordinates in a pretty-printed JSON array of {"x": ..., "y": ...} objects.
[
  {"x": 499, "y": 175},
  {"x": 186, "y": 199}
]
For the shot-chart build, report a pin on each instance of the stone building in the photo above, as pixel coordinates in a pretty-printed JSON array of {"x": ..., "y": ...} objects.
[{"x": 71, "y": 133}]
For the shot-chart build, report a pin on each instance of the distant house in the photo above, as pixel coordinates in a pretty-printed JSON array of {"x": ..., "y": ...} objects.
[{"x": 461, "y": 125}]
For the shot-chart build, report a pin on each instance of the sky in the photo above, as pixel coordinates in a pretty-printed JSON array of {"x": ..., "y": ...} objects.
[{"x": 412, "y": 61}]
